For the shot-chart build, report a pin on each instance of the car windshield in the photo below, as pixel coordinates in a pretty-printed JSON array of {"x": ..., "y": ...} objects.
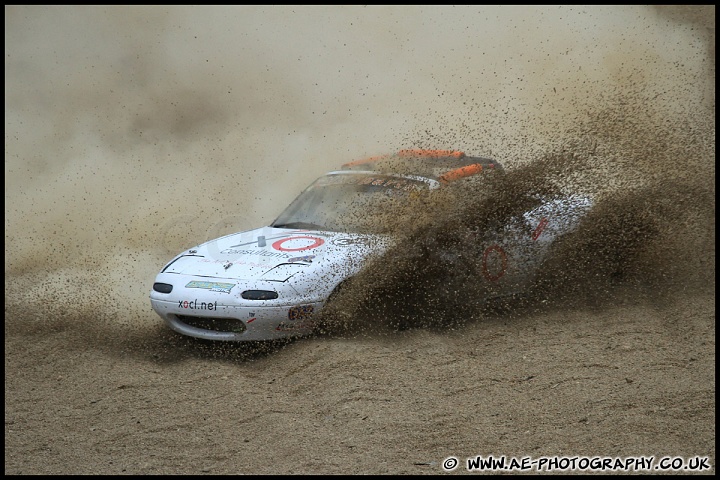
[{"x": 349, "y": 202}]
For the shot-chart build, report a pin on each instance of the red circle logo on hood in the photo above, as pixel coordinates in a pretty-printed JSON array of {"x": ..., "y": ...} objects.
[{"x": 316, "y": 243}]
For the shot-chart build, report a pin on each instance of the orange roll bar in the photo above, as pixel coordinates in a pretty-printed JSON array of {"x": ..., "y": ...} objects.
[
  {"x": 461, "y": 172},
  {"x": 364, "y": 161}
]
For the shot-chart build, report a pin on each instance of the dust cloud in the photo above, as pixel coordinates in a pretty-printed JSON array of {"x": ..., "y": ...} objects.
[{"x": 134, "y": 132}]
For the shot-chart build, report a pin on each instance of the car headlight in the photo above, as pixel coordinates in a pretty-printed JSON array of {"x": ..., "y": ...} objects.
[
  {"x": 259, "y": 295},
  {"x": 162, "y": 287}
]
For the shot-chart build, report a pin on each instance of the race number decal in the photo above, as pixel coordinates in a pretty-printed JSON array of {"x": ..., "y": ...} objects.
[
  {"x": 296, "y": 244},
  {"x": 539, "y": 229},
  {"x": 344, "y": 242},
  {"x": 494, "y": 262}
]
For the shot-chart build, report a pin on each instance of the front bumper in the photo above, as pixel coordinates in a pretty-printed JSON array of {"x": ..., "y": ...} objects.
[
  {"x": 224, "y": 316},
  {"x": 236, "y": 324}
]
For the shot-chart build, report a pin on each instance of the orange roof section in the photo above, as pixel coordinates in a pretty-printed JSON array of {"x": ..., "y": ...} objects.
[
  {"x": 408, "y": 152},
  {"x": 450, "y": 176},
  {"x": 365, "y": 160},
  {"x": 461, "y": 172}
]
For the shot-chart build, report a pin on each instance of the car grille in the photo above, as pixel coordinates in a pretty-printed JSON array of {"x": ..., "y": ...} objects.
[{"x": 215, "y": 324}]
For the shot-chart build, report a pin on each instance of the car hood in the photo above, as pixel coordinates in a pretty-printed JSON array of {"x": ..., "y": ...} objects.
[{"x": 276, "y": 254}]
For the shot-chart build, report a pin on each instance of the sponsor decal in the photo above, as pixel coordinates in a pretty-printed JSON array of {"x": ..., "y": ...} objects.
[
  {"x": 194, "y": 305},
  {"x": 212, "y": 286},
  {"x": 261, "y": 253},
  {"x": 493, "y": 271},
  {"x": 303, "y": 239},
  {"x": 300, "y": 312},
  {"x": 306, "y": 258},
  {"x": 261, "y": 240},
  {"x": 344, "y": 242},
  {"x": 539, "y": 229}
]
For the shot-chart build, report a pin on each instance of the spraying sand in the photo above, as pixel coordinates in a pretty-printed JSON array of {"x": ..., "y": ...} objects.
[{"x": 134, "y": 132}]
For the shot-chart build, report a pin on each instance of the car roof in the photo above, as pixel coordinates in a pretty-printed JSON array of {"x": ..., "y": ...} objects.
[{"x": 442, "y": 165}]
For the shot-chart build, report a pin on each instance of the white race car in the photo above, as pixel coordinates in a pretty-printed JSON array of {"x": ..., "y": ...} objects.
[{"x": 272, "y": 282}]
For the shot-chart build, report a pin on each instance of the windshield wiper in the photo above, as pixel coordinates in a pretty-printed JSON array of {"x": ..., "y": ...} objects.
[{"x": 303, "y": 225}]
